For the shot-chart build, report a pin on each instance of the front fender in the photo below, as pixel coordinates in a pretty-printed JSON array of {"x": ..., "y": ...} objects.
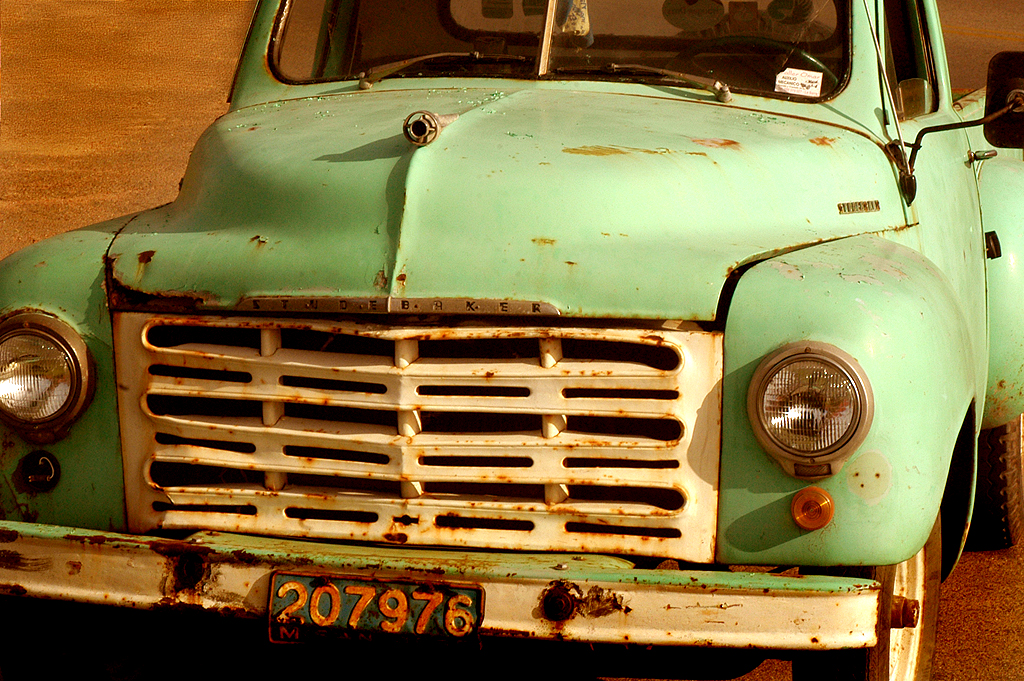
[
  {"x": 63, "y": 276},
  {"x": 898, "y": 316}
]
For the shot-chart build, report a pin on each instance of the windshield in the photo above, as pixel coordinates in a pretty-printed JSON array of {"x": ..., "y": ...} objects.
[{"x": 796, "y": 49}]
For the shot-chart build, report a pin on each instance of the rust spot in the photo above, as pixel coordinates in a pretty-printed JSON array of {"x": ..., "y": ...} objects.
[
  {"x": 396, "y": 537},
  {"x": 716, "y": 143},
  {"x": 95, "y": 539},
  {"x": 12, "y": 560},
  {"x": 7, "y": 536},
  {"x": 245, "y": 557},
  {"x": 13, "y": 590},
  {"x": 74, "y": 567},
  {"x": 600, "y": 602},
  {"x": 126, "y": 298},
  {"x": 381, "y": 281},
  {"x": 823, "y": 141},
  {"x": 146, "y": 257},
  {"x": 188, "y": 569},
  {"x": 564, "y": 600},
  {"x": 258, "y": 240},
  {"x": 540, "y": 241},
  {"x": 401, "y": 279}
]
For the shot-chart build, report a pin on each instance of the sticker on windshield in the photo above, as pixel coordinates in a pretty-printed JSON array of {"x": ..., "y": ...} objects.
[{"x": 799, "y": 82}]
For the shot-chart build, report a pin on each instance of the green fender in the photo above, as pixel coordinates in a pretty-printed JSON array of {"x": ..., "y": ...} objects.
[
  {"x": 1001, "y": 184},
  {"x": 63, "y": 276},
  {"x": 898, "y": 316}
]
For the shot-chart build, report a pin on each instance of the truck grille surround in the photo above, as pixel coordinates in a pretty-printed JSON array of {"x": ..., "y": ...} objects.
[{"x": 472, "y": 435}]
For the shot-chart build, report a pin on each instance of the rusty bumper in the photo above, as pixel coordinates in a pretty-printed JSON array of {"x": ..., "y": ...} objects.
[{"x": 538, "y": 596}]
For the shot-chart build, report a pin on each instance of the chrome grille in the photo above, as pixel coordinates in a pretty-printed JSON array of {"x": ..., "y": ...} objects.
[{"x": 544, "y": 438}]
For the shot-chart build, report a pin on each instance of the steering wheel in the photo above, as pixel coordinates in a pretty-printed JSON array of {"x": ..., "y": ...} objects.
[{"x": 756, "y": 46}]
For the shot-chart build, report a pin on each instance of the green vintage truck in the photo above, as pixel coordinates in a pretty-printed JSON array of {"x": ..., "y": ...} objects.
[{"x": 666, "y": 329}]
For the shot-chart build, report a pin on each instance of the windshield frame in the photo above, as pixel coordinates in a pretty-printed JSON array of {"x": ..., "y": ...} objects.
[{"x": 842, "y": 38}]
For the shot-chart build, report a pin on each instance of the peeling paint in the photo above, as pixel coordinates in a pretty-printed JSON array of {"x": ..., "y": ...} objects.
[
  {"x": 861, "y": 279},
  {"x": 715, "y": 143},
  {"x": 596, "y": 150},
  {"x": 877, "y": 318},
  {"x": 787, "y": 270},
  {"x": 886, "y": 266},
  {"x": 870, "y": 476}
]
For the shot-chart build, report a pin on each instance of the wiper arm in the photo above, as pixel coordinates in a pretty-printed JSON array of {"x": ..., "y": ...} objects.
[
  {"x": 716, "y": 87},
  {"x": 378, "y": 73}
]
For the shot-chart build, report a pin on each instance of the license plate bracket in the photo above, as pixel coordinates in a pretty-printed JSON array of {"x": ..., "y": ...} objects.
[{"x": 306, "y": 606}]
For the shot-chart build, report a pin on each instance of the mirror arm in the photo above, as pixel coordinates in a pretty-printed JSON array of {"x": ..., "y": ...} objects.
[{"x": 1015, "y": 101}]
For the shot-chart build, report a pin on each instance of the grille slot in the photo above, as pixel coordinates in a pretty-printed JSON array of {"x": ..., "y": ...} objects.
[
  {"x": 337, "y": 455},
  {"x": 475, "y": 436},
  {"x": 460, "y": 523},
  {"x": 332, "y": 385}
]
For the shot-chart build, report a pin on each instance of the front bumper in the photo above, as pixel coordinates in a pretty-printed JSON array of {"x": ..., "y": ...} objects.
[{"x": 612, "y": 601}]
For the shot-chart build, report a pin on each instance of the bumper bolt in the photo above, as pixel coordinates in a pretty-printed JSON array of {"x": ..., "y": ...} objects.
[
  {"x": 558, "y": 604},
  {"x": 906, "y": 613}
]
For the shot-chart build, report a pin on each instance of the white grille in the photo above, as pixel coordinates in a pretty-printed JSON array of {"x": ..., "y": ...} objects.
[{"x": 546, "y": 438}]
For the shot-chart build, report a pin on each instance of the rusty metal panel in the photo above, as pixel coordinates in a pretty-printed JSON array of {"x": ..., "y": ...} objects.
[{"x": 538, "y": 438}]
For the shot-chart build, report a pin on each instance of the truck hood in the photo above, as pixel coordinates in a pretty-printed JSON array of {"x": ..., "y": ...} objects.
[{"x": 595, "y": 204}]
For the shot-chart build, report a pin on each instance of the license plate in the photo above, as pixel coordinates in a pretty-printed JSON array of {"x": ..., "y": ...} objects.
[{"x": 304, "y": 606}]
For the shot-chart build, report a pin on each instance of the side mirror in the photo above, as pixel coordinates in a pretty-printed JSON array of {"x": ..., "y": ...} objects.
[{"x": 1005, "y": 80}]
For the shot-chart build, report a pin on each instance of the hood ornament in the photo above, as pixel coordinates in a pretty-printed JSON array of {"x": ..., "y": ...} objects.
[{"x": 422, "y": 127}]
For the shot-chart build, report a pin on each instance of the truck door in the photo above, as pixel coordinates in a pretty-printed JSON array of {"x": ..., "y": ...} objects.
[{"x": 946, "y": 210}]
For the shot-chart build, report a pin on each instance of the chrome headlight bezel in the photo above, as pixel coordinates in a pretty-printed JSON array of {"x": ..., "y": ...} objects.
[
  {"x": 811, "y": 464},
  {"x": 62, "y": 336}
]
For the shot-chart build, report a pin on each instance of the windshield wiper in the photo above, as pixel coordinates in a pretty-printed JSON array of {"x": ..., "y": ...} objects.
[
  {"x": 716, "y": 87},
  {"x": 378, "y": 73}
]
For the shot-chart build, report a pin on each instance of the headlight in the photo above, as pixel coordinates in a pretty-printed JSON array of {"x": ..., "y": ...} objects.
[
  {"x": 810, "y": 406},
  {"x": 45, "y": 377}
]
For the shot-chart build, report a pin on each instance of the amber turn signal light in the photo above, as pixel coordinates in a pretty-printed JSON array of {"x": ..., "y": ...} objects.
[{"x": 812, "y": 508}]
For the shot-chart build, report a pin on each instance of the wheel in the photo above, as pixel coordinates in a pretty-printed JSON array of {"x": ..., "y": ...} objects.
[
  {"x": 755, "y": 47},
  {"x": 998, "y": 520},
  {"x": 903, "y": 653}
]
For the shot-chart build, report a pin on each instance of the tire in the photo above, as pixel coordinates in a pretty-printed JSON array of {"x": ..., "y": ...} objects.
[
  {"x": 998, "y": 520},
  {"x": 902, "y": 654}
]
